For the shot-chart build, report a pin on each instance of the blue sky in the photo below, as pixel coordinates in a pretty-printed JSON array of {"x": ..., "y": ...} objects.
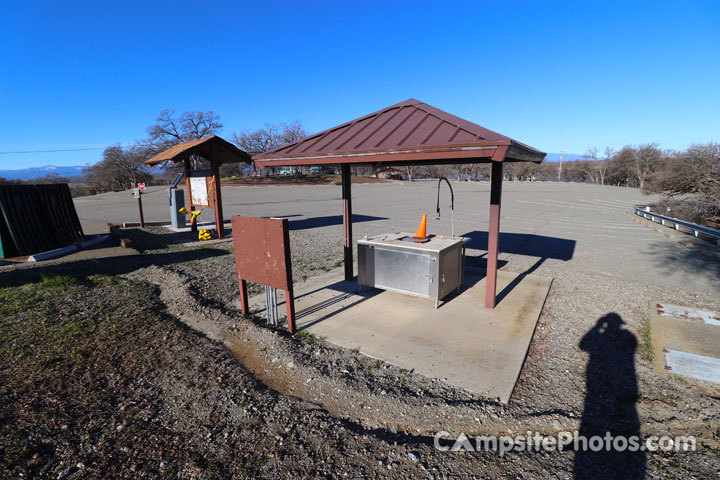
[{"x": 556, "y": 75}]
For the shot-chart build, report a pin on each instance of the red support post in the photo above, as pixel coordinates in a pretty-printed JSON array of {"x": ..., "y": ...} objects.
[
  {"x": 244, "y": 297},
  {"x": 217, "y": 201},
  {"x": 347, "y": 222},
  {"x": 493, "y": 233},
  {"x": 290, "y": 302}
]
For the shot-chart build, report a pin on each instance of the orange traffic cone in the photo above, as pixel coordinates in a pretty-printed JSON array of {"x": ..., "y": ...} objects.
[{"x": 422, "y": 229}]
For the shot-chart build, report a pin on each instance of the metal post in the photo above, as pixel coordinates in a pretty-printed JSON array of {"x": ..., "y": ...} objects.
[
  {"x": 493, "y": 233},
  {"x": 347, "y": 221},
  {"x": 268, "y": 315},
  {"x": 217, "y": 199},
  {"x": 271, "y": 306},
  {"x": 140, "y": 210}
]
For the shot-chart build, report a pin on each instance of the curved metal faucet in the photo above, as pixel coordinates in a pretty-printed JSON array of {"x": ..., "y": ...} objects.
[{"x": 452, "y": 205}]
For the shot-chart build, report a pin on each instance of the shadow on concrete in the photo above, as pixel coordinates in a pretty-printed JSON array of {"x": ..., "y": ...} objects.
[
  {"x": 526, "y": 244},
  {"x": 610, "y": 403},
  {"x": 523, "y": 244},
  {"x": 30, "y": 273},
  {"x": 317, "y": 222},
  {"x": 346, "y": 290}
]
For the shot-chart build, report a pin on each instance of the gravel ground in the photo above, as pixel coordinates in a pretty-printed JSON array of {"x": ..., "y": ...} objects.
[{"x": 297, "y": 406}]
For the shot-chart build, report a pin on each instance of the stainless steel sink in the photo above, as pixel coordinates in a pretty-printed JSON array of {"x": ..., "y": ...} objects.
[{"x": 429, "y": 270}]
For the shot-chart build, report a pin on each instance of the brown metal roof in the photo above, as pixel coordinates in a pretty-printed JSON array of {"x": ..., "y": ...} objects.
[
  {"x": 404, "y": 133},
  {"x": 213, "y": 149}
]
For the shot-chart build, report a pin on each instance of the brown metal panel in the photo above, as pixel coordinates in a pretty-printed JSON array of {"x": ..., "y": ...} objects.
[
  {"x": 390, "y": 122},
  {"x": 328, "y": 140},
  {"x": 262, "y": 255},
  {"x": 351, "y": 132},
  {"x": 463, "y": 136},
  {"x": 261, "y": 252},
  {"x": 415, "y": 121},
  {"x": 442, "y": 134},
  {"x": 426, "y": 124}
]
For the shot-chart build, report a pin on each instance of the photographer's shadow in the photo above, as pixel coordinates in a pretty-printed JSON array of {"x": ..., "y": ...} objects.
[{"x": 610, "y": 404}]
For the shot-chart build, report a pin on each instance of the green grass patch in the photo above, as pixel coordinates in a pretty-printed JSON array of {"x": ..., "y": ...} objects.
[
  {"x": 57, "y": 281},
  {"x": 645, "y": 349},
  {"x": 307, "y": 337}
]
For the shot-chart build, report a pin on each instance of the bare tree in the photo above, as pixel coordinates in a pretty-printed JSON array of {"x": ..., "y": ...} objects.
[
  {"x": 646, "y": 159},
  {"x": 592, "y": 155},
  {"x": 694, "y": 177},
  {"x": 119, "y": 169},
  {"x": 621, "y": 168},
  {"x": 602, "y": 165},
  {"x": 171, "y": 130},
  {"x": 410, "y": 169},
  {"x": 268, "y": 138},
  {"x": 292, "y": 132}
]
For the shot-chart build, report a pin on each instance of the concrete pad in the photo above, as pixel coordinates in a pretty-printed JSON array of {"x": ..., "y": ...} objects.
[
  {"x": 677, "y": 330},
  {"x": 461, "y": 342}
]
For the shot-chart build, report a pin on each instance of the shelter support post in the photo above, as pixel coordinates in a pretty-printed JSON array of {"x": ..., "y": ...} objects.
[
  {"x": 188, "y": 188},
  {"x": 244, "y": 296},
  {"x": 217, "y": 199},
  {"x": 140, "y": 210},
  {"x": 347, "y": 221},
  {"x": 493, "y": 233}
]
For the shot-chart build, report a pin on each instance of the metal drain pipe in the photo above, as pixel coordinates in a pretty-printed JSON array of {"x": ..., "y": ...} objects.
[{"x": 452, "y": 205}]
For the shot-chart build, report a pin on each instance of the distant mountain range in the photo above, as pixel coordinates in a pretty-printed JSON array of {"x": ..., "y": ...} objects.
[
  {"x": 37, "y": 172},
  {"x": 76, "y": 170},
  {"x": 555, "y": 157}
]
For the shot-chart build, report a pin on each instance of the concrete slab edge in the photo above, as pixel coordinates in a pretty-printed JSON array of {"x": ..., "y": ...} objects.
[
  {"x": 59, "y": 252},
  {"x": 532, "y": 336},
  {"x": 147, "y": 224},
  {"x": 94, "y": 241}
]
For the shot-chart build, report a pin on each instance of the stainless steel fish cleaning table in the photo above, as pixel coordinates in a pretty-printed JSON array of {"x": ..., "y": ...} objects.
[{"x": 429, "y": 270}]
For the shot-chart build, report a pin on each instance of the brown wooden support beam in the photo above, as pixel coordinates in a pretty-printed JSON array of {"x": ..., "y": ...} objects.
[
  {"x": 493, "y": 234},
  {"x": 217, "y": 200}
]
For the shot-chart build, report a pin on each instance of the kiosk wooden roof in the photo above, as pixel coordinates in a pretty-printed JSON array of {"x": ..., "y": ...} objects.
[
  {"x": 213, "y": 149},
  {"x": 216, "y": 151},
  {"x": 409, "y": 133}
]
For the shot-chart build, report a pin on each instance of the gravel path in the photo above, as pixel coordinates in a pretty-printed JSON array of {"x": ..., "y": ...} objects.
[{"x": 365, "y": 418}]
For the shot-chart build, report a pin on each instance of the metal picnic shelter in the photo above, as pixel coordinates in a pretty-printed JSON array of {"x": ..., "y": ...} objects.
[{"x": 407, "y": 133}]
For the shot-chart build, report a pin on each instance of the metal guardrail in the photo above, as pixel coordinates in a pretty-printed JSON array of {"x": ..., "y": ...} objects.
[{"x": 677, "y": 223}]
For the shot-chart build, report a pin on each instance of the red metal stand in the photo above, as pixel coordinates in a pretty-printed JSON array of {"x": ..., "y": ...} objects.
[
  {"x": 493, "y": 234},
  {"x": 347, "y": 222}
]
